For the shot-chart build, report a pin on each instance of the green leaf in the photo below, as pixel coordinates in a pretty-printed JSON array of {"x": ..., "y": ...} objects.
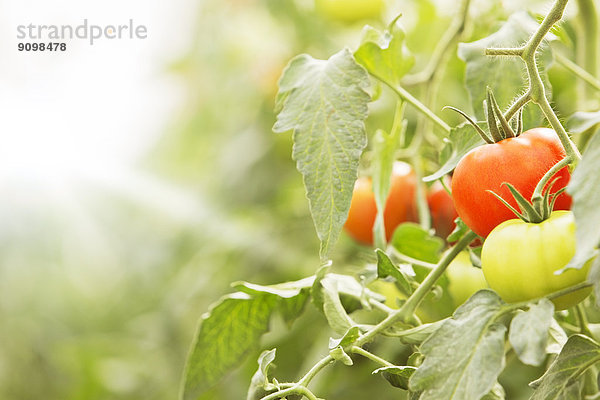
[
  {"x": 336, "y": 315},
  {"x": 227, "y": 333},
  {"x": 582, "y": 121},
  {"x": 349, "y": 337},
  {"x": 462, "y": 139},
  {"x": 578, "y": 354},
  {"x": 384, "y": 54},
  {"x": 385, "y": 268},
  {"x": 325, "y": 104},
  {"x": 412, "y": 240},
  {"x": 529, "y": 332},
  {"x": 505, "y": 75},
  {"x": 497, "y": 393},
  {"x": 583, "y": 186},
  {"x": 396, "y": 376},
  {"x": 233, "y": 326},
  {"x": 293, "y": 295},
  {"x": 339, "y": 354},
  {"x": 556, "y": 338},
  {"x": 260, "y": 379},
  {"x": 464, "y": 357},
  {"x": 384, "y": 147}
]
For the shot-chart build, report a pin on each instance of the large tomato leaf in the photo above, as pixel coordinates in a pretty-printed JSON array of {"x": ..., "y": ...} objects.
[
  {"x": 324, "y": 103},
  {"x": 232, "y": 328},
  {"x": 505, "y": 75},
  {"x": 464, "y": 357},
  {"x": 462, "y": 139},
  {"x": 529, "y": 332},
  {"x": 583, "y": 186},
  {"x": 559, "y": 381}
]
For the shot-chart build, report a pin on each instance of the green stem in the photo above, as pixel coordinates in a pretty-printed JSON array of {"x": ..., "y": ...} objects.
[
  {"x": 539, "y": 189},
  {"x": 587, "y": 38},
  {"x": 409, "y": 98},
  {"x": 325, "y": 361},
  {"x": 411, "y": 260},
  {"x": 536, "y": 91},
  {"x": 446, "y": 43},
  {"x": 421, "y": 195},
  {"x": 578, "y": 71},
  {"x": 295, "y": 389},
  {"x": 582, "y": 320},
  {"x": 517, "y": 105},
  {"x": 504, "y": 51},
  {"x": 407, "y": 310},
  {"x": 370, "y": 356}
]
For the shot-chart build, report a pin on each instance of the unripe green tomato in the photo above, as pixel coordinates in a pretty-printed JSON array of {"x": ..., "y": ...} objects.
[
  {"x": 519, "y": 260},
  {"x": 350, "y": 10},
  {"x": 464, "y": 279}
]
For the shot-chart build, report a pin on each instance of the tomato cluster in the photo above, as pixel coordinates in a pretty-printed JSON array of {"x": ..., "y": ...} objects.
[
  {"x": 520, "y": 258},
  {"x": 401, "y": 206}
]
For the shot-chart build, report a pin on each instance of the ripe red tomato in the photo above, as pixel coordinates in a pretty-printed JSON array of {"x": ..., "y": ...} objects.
[
  {"x": 442, "y": 210},
  {"x": 520, "y": 161},
  {"x": 400, "y": 205}
]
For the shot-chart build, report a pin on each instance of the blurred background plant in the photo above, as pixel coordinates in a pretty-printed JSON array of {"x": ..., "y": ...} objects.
[{"x": 102, "y": 281}]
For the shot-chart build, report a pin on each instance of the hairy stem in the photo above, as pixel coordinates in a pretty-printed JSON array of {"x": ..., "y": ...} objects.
[
  {"x": 536, "y": 91},
  {"x": 538, "y": 192}
]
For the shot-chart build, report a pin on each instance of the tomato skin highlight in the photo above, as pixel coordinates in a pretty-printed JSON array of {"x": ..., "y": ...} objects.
[
  {"x": 520, "y": 161},
  {"x": 400, "y": 205},
  {"x": 519, "y": 260},
  {"x": 441, "y": 207}
]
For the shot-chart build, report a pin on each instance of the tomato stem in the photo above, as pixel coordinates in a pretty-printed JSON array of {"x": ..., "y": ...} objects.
[
  {"x": 370, "y": 356},
  {"x": 539, "y": 189},
  {"x": 406, "y": 312},
  {"x": 536, "y": 91},
  {"x": 582, "y": 320}
]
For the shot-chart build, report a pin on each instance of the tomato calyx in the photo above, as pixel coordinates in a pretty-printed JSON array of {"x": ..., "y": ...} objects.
[
  {"x": 499, "y": 127},
  {"x": 539, "y": 208}
]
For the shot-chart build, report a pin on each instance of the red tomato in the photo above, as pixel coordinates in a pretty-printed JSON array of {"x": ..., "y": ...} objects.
[
  {"x": 520, "y": 161},
  {"x": 400, "y": 205},
  {"x": 442, "y": 210}
]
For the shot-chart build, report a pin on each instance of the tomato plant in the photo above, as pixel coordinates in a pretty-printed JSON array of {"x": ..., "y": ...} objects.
[
  {"x": 452, "y": 323},
  {"x": 350, "y": 10},
  {"x": 520, "y": 260},
  {"x": 400, "y": 205},
  {"x": 521, "y": 161}
]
